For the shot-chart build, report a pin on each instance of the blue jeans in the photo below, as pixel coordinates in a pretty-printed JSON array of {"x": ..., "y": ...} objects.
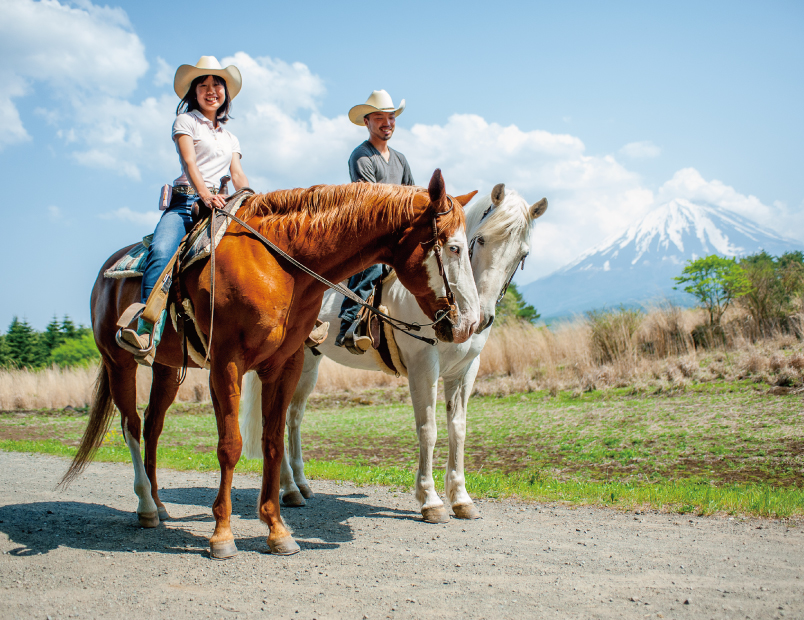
[
  {"x": 362, "y": 284},
  {"x": 176, "y": 222}
]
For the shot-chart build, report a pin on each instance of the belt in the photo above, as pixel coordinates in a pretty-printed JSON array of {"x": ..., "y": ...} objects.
[{"x": 189, "y": 190}]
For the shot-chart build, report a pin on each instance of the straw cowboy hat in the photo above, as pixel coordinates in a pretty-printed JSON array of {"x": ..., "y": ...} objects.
[
  {"x": 379, "y": 101},
  {"x": 207, "y": 65}
]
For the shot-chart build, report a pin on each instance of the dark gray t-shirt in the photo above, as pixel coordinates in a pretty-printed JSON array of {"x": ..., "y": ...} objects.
[{"x": 366, "y": 164}]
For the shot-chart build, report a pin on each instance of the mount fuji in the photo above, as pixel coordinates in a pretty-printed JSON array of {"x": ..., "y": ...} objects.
[{"x": 638, "y": 266}]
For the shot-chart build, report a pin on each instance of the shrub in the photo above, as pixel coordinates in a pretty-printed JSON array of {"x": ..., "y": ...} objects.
[
  {"x": 613, "y": 333},
  {"x": 80, "y": 351}
]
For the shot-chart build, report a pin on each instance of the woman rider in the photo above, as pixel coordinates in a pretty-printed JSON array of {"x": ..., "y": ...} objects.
[{"x": 207, "y": 152}]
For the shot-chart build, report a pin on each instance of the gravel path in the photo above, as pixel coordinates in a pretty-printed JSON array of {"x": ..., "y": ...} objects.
[{"x": 366, "y": 554}]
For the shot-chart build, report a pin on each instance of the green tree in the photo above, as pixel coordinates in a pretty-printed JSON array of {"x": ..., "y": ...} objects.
[
  {"x": 716, "y": 282},
  {"x": 513, "y": 308},
  {"x": 25, "y": 347},
  {"x": 52, "y": 336},
  {"x": 80, "y": 351},
  {"x": 68, "y": 328},
  {"x": 776, "y": 285},
  {"x": 5, "y": 354}
]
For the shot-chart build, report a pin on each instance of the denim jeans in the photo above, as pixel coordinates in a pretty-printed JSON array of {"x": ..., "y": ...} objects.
[
  {"x": 361, "y": 284},
  {"x": 176, "y": 222}
]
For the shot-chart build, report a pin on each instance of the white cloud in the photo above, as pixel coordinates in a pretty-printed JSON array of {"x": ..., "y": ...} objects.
[
  {"x": 12, "y": 130},
  {"x": 145, "y": 218},
  {"x": 55, "y": 213},
  {"x": 76, "y": 51},
  {"x": 641, "y": 150},
  {"x": 688, "y": 183},
  {"x": 164, "y": 72}
]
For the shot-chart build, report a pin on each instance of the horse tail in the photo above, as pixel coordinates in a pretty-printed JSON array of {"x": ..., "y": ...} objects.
[{"x": 100, "y": 416}]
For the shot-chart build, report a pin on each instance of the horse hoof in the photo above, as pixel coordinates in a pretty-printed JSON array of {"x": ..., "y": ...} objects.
[
  {"x": 306, "y": 491},
  {"x": 222, "y": 550},
  {"x": 435, "y": 514},
  {"x": 293, "y": 499},
  {"x": 283, "y": 546},
  {"x": 466, "y": 511},
  {"x": 163, "y": 514},
  {"x": 148, "y": 519}
]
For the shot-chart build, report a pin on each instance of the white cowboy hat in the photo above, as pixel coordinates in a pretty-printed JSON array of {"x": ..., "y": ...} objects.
[
  {"x": 207, "y": 65},
  {"x": 378, "y": 101}
]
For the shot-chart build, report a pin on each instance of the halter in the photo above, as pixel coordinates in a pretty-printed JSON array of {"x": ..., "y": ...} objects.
[
  {"x": 453, "y": 310},
  {"x": 472, "y": 249}
]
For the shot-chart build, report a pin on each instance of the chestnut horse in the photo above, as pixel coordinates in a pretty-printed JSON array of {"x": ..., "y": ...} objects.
[{"x": 264, "y": 309}]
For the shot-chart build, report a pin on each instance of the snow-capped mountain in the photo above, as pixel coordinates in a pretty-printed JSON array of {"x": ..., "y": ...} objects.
[{"x": 639, "y": 265}]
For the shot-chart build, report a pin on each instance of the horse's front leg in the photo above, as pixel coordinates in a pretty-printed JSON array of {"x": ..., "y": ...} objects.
[
  {"x": 294, "y": 486},
  {"x": 224, "y": 385},
  {"x": 164, "y": 387},
  {"x": 457, "y": 391},
  {"x": 423, "y": 379},
  {"x": 278, "y": 386}
]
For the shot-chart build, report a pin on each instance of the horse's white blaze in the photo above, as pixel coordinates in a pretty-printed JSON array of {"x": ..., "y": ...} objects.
[
  {"x": 142, "y": 486},
  {"x": 458, "y": 271},
  {"x": 506, "y": 232}
]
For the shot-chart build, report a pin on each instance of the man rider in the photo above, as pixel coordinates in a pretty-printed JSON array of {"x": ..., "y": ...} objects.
[{"x": 373, "y": 162}]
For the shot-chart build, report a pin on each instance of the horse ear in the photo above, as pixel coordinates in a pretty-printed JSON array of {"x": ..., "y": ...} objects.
[
  {"x": 498, "y": 194},
  {"x": 464, "y": 200},
  {"x": 436, "y": 188},
  {"x": 538, "y": 209}
]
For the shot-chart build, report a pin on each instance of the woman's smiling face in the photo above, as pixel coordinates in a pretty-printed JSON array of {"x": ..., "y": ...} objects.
[{"x": 210, "y": 96}]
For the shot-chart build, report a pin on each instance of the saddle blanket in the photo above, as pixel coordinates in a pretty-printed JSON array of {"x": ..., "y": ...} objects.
[{"x": 132, "y": 263}]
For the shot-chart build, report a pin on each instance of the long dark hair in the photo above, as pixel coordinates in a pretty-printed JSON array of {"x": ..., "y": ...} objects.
[{"x": 190, "y": 100}]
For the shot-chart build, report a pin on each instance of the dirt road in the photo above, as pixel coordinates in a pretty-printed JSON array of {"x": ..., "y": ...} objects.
[{"x": 366, "y": 554}]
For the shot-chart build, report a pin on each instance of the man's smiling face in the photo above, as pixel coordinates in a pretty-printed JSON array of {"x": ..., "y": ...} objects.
[{"x": 381, "y": 124}]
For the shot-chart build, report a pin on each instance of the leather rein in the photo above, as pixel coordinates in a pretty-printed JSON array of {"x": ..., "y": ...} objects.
[{"x": 397, "y": 324}]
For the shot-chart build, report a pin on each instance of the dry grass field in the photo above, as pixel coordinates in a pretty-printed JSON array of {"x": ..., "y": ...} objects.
[{"x": 652, "y": 352}]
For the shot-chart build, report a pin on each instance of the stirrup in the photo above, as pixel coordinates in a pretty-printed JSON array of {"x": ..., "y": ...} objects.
[
  {"x": 318, "y": 335},
  {"x": 127, "y": 337},
  {"x": 355, "y": 343}
]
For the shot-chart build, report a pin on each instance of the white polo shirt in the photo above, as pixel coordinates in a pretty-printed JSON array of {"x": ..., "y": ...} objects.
[{"x": 213, "y": 147}]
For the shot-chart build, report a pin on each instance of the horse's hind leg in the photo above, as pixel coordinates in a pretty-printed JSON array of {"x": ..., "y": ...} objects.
[
  {"x": 294, "y": 488},
  {"x": 123, "y": 383},
  {"x": 163, "y": 392},
  {"x": 456, "y": 392}
]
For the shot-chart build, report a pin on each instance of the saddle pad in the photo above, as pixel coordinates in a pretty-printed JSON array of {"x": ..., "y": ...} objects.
[
  {"x": 200, "y": 245},
  {"x": 132, "y": 263}
]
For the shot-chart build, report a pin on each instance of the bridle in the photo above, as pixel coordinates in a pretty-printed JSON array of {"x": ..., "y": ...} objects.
[
  {"x": 449, "y": 313},
  {"x": 521, "y": 263}
]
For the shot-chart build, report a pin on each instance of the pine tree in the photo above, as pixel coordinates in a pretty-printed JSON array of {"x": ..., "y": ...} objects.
[
  {"x": 52, "y": 337},
  {"x": 25, "y": 348},
  {"x": 513, "y": 308},
  {"x": 68, "y": 328}
]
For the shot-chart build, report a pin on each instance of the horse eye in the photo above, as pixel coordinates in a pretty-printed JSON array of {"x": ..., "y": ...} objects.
[
  {"x": 454, "y": 249},
  {"x": 481, "y": 241}
]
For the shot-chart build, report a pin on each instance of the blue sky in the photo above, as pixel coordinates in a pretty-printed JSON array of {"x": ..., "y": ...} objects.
[{"x": 607, "y": 109}]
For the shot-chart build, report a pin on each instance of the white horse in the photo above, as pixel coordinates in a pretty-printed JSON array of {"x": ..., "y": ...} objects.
[{"x": 498, "y": 227}]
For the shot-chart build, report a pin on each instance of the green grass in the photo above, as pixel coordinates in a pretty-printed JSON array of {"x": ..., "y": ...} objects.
[{"x": 720, "y": 447}]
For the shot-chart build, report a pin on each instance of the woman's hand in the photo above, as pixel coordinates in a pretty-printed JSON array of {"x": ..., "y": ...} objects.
[{"x": 211, "y": 199}]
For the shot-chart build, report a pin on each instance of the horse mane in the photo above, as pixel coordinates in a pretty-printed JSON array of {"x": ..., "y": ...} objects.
[
  {"x": 334, "y": 209},
  {"x": 511, "y": 217}
]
